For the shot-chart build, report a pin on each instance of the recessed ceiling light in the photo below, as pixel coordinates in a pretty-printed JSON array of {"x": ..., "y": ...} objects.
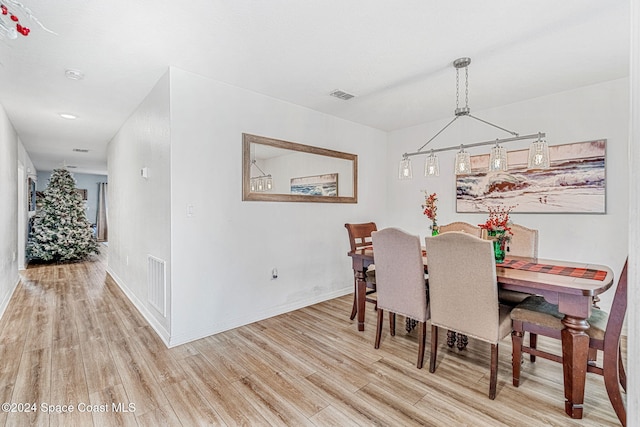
[
  {"x": 68, "y": 116},
  {"x": 74, "y": 74}
]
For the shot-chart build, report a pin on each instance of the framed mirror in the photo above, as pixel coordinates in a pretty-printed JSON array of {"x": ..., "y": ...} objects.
[{"x": 282, "y": 171}]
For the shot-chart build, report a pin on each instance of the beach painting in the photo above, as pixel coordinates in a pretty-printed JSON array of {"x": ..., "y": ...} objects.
[
  {"x": 574, "y": 182},
  {"x": 325, "y": 185}
]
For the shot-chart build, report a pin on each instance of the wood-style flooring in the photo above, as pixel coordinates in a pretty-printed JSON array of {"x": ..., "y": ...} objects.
[{"x": 71, "y": 337}]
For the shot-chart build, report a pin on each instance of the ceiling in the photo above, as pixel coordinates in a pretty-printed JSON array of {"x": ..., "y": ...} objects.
[{"x": 396, "y": 60}]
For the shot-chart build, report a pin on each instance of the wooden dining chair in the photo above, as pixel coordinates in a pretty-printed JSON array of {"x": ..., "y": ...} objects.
[
  {"x": 539, "y": 317},
  {"x": 461, "y": 226},
  {"x": 360, "y": 238},
  {"x": 400, "y": 282},
  {"x": 463, "y": 293}
]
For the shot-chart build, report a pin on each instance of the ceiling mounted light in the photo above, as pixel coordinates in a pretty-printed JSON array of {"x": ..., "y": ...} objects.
[
  {"x": 74, "y": 74},
  {"x": 261, "y": 183},
  {"x": 538, "y": 154},
  {"x": 463, "y": 163},
  {"x": 432, "y": 165},
  {"x": 405, "y": 171},
  {"x": 68, "y": 116},
  {"x": 498, "y": 158}
]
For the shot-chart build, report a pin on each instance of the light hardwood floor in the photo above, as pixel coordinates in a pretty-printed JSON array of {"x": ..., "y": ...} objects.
[{"x": 70, "y": 337}]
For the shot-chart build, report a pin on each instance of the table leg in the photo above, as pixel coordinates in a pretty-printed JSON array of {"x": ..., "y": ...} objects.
[
  {"x": 361, "y": 296},
  {"x": 575, "y": 351}
]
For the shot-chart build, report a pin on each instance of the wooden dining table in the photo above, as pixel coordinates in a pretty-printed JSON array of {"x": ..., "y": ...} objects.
[{"x": 572, "y": 293}]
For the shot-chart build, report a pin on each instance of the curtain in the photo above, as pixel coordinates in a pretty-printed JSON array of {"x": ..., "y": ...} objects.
[{"x": 102, "y": 232}]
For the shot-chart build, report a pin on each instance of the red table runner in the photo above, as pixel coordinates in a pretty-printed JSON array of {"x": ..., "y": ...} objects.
[{"x": 584, "y": 273}]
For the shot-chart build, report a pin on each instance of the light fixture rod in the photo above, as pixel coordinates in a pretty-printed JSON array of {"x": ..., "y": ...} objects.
[
  {"x": 491, "y": 124},
  {"x": 476, "y": 144},
  {"x": 439, "y": 132},
  {"x": 264, "y": 174}
]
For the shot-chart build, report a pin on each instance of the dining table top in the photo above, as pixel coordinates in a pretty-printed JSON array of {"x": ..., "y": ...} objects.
[{"x": 541, "y": 280}]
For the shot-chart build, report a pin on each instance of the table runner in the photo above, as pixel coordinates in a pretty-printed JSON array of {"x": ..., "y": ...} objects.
[{"x": 584, "y": 273}]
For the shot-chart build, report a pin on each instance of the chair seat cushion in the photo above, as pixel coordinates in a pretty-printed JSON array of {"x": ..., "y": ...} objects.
[{"x": 538, "y": 311}]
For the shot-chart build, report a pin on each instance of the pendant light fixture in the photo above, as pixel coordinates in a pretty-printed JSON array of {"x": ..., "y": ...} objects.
[
  {"x": 538, "y": 151},
  {"x": 261, "y": 183}
]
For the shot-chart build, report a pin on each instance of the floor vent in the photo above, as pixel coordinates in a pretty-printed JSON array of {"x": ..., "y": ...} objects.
[{"x": 157, "y": 283}]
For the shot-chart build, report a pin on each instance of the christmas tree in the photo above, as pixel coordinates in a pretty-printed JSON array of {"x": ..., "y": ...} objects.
[{"x": 61, "y": 231}]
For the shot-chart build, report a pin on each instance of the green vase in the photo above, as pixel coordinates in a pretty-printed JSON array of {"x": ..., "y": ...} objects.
[
  {"x": 434, "y": 229},
  {"x": 499, "y": 241}
]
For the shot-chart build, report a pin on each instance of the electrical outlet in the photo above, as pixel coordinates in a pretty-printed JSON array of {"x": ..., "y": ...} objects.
[
  {"x": 274, "y": 273},
  {"x": 14, "y": 257},
  {"x": 126, "y": 260}
]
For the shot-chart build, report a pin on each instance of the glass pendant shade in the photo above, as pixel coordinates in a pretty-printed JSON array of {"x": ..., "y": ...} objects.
[
  {"x": 432, "y": 166},
  {"x": 268, "y": 183},
  {"x": 405, "y": 171},
  {"x": 463, "y": 163},
  {"x": 538, "y": 155},
  {"x": 498, "y": 159},
  {"x": 253, "y": 186}
]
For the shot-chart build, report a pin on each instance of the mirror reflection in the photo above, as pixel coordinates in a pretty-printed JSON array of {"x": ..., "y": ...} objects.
[{"x": 275, "y": 170}]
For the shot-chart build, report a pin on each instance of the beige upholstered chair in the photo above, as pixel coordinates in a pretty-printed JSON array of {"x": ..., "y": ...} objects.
[
  {"x": 539, "y": 317},
  {"x": 461, "y": 226},
  {"x": 524, "y": 242},
  {"x": 400, "y": 282},
  {"x": 360, "y": 238},
  {"x": 463, "y": 292}
]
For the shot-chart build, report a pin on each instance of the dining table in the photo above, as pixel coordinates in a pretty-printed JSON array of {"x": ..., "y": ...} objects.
[{"x": 570, "y": 285}]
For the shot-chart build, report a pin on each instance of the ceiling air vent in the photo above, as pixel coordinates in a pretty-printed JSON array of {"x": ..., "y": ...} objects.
[
  {"x": 342, "y": 95},
  {"x": 80, "y": 150}
]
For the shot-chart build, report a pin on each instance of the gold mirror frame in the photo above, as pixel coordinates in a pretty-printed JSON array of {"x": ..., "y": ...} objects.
[{"x": 247, "y": 195}]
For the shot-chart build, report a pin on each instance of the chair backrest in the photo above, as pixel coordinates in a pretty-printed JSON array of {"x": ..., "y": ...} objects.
[
  {"x": 524, "y": 241},
  {"x": 618, "y": 311},
  {"x": 360, "y": 234},
  {"x": 461, "y": 226},
  {"x": 400, "y": 282},
  {"x": 463, "y": 287}
]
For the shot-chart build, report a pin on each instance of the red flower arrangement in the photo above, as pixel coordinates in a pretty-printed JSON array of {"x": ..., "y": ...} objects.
[
  {"x": 429, "y": 206},
  {"x": 498, "y": 221}
]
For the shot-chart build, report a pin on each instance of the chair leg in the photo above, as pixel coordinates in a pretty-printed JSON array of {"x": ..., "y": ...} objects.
[
  {"x": 434, "y": 348},
  {"x": 392, "y": 324},
  {"x": 379, "y": 328},
  {"x": 422, "y": 339},
  {"x": 516, "y": 352},
  {"x": 354, "y": 310},
  {"x": 621, "y": 372},
  {"x": 533, "y": 343},
  {"x": 494, "y": 371},
  {"x": 610, "y": 372}
]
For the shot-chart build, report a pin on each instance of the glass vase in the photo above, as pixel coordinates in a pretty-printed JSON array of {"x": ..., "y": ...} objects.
[
  {"x": 499, "y": 241},
  {"x": 434, "y": 229}
]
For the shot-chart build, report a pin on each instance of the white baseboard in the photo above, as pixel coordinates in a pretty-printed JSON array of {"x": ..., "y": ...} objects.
[
  {"x": 140, "y": 306},
  {"x": 5, "y": 301}
]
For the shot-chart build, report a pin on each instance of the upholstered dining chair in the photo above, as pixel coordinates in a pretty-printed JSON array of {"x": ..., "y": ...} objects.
[
  {"x": 539, "y": 317},
  {"x": 360, "y": 238},
  {"x": 461, "y": 226},
  {"x": 463, "y": 293},
  {"x": 400, "y": 282},
  {"x": 524, "y": 242}
]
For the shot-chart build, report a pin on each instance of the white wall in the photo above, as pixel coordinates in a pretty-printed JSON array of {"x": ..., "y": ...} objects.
[
  {"x": 139, "y": 208},
  {"x": 588, "y": 113},
  {"x": 223, "y": 255},
  {"x": 9, "y": 210}
]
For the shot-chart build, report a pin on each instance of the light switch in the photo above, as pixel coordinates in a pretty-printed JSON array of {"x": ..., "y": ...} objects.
[{"x": 190, "y": 211}]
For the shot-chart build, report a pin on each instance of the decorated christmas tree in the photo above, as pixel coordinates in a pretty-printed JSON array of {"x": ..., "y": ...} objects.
[{"x": 61, "y": 231}]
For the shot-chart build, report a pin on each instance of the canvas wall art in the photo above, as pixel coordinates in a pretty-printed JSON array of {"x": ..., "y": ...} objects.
[
  {"x": 325, "y": 185},
  {"x": 574, "y": 183}
]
